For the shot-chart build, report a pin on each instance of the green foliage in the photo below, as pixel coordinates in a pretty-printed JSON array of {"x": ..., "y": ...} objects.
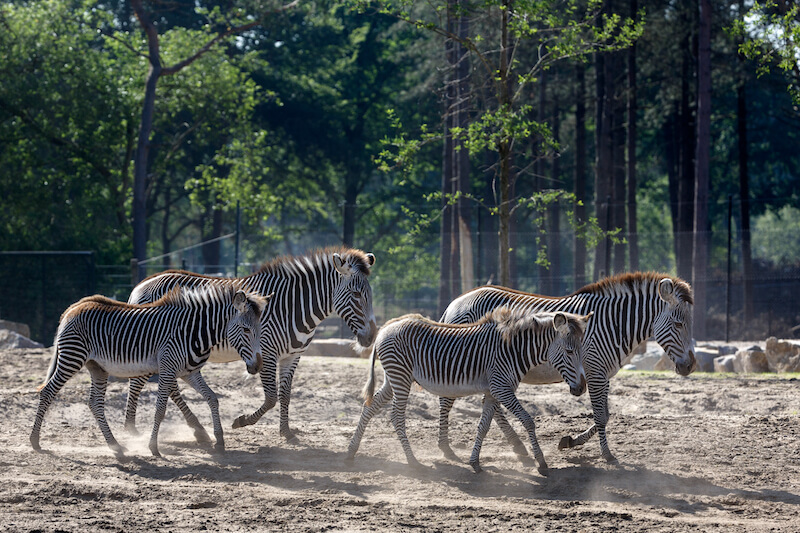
[
  {"x": 770, "y": 232},
  {"x": 772, "y": 31}
]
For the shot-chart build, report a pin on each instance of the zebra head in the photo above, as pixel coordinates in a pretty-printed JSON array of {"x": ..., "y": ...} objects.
[
  {"x": 564, "y": 352},
  {"x": 244, "y": 328},
  {"x": 352, "y": 298},
  {"x": 672, "y": 327}
]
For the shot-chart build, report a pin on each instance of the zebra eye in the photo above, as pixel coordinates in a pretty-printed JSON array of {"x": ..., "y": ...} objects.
[
  {"x": 247, "y": 331},
  {"x": 678, "y": 324},
  {"x": 357, "y": 294}
]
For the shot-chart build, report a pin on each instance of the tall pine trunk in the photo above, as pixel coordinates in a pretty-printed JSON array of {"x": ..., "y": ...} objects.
[
  {"x": 744, "y": 190},
  {"x": 633, "y": 237},
  {"x": 580, "y": 173},
  {"x": 701, "y": 222}
]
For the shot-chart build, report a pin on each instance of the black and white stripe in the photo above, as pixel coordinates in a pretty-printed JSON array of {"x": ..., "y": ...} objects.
[
  {"x": 628, "y": 309},
  {"x": 308, "y": 289},
  {"x": 171, "y": 337},
  {"x": 489, "y": 356}
]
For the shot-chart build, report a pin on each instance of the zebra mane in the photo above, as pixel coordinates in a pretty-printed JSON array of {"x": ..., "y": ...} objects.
[
  {"x": 633, "y": 282},
  {"x": 314, "y": 260},
  {"x": 510, "y": 321},
  {"x": 176, "y": 297}
]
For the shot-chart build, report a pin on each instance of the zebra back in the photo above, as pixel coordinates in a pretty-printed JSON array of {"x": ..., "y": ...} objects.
[
  {"x": 629, "y": 308},
  {"x": 309, "y": 288}
]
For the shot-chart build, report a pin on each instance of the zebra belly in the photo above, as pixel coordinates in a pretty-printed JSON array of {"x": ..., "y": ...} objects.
[
  {"x": 224, "y": 355},
  {"x": 453, "y": 390},
  {"x": 122, "y": 369},
  {"x": 542, "y": 374}
]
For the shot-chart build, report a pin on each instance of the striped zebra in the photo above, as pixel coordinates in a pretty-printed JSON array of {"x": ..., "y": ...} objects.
[
  {"x": 309, "y": 288},
  {"x": 171, "y": 337},
  {"x": 629, "y": 308},
  {"x": 489, "y": 356}
]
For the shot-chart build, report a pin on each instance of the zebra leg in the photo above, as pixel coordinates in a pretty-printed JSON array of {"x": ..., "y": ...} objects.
[
  {"x": 47, "y": 393},
  {"x": 510, "y": 401},
  {"x": 166, "y": 383},
  {"x": 508, "y": 431},
  {"x": 270, "y": 392},
  {"x": 445, "y": 406},
  {"x": 599, "y": 396},
  {"x": 135, "y": 386},
  {"x": 489, "y": 408},
  {"x": 380, "y": 398},
  {"x": 399, "y": 404},
  {"x": 191, "y": 420},
  {"x": 285, "y": 393},
  {"x": 97, "y": 402},
  {"x": 195, "y": 379}
]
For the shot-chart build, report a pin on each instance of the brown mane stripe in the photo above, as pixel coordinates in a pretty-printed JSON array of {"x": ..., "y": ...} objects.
[{"x": 629, "y": 280}]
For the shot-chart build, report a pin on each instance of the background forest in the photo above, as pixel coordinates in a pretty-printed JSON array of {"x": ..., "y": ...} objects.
[{"x": 537, "y": 144}]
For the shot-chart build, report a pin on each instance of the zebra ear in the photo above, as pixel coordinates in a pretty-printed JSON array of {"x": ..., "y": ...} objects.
[
  {"x": 666, "y": 290},
  {"x": 341, "y": 265},
  {"x": 370, "y": 259},
  {"x": 559, "y": 321},
  {"x": 240, "y": 301}
]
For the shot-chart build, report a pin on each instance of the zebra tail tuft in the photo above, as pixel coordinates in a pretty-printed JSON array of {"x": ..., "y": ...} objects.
[{"x": 369, "y": 388}]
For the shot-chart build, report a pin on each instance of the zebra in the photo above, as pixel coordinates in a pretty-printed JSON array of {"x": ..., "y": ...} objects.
[
  {"x": 172, "y": 337},
  {"x": 310, "y": 288},
  {"x": 489, "y": 356},
  {"x": 629, "y": 309}
]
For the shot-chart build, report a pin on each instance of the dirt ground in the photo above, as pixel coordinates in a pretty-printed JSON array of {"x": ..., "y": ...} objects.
[{"x": 701, "y": 453}]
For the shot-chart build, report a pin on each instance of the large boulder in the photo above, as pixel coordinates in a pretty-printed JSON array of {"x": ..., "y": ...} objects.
[
  {"x": 22, "y": 329},
  {"x": 11, "y": 339},
  {"x": 335, "y": 348},
  {"x": 705, "y": 355},
  {"x": 751, "y": 361},
  {"x": 783, "y": 356},
  {"x": 725, "y": 363}
]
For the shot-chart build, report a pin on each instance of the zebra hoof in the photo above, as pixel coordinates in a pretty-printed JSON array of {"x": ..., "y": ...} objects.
[
  {"x": 219, "y": 447},
  {"x": 448, "y": 452},
  {"x": 566, "y": 442},
  {"x": 131, "y": 430},
  {"x": 35, "y": 443},
  {"x": 521, "y": 451},
  {"x": 476, "y": 466},
  {"x": 154, "y": 450},
  {"x": 288, "y": 435},
  {"x": 201, "y": 436},
  {"x": 240, "y": 422},
  {"x": 349, "y": 460},
  {"x": 543, "y": 470},
  {"x": 610, "y": 459}
]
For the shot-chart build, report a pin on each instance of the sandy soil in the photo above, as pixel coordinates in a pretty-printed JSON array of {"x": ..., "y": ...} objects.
[{"x": 697, "y": 454}]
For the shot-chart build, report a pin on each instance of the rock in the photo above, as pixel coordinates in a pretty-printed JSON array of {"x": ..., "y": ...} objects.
[
  {"x": 727, "y": 350},
  {"x": 783, "y": 356},
  {"x": 752, "y": 361},
  {"x": 665, "y": 363},
  {"x": 647, "y": 360},
  {"x": 11, "y": 339},
  {"x": 22, "y": 329},
  {"x": 629, "y": 367},
  {"x": 705, "y": 359},
  {"x": 724, "y": 363},
  {"x": 334, "y": 348}
]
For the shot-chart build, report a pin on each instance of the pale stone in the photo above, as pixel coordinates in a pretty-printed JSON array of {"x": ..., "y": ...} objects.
[
  {"x": 783, "y": 356},
  {"x": 724, "y": 363}
]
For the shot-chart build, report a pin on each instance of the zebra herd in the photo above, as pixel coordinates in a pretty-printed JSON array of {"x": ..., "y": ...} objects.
[{"x": 487, "y": 342}]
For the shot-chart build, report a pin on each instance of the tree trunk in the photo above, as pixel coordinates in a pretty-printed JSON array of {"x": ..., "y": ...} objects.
[
  {"x": 618, "y": 138},
  {"x": 603, "y": 161},
  {"x": 504, "y": 150},
  {"x": 580, "y": 174},
  {"x": 633, "y": 237},
  {"x": 545, "y": 274},
  {"x": 145, "y": 129},
  {"x": 448, "y": 217},
  {"x": 688, "y": 146},
  {"x": 553, "y": 212},
  {"x": 700, "y": 263},
  {"x": 212, "y": 251},
  {"x": 744, "y": 191},
  {"x": 461, "y": 162}
]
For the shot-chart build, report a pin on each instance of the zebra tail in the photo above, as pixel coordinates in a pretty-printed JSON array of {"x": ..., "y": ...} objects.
[
  {"x": 369, "y": 388},
  {"x": 52, "y": 369}
]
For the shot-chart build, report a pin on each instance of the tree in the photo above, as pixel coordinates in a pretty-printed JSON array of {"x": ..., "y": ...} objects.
[
  {"x": 559, "y": 33},
  {"x": 155, "y": 71},
  {"x": 701, "y": 220}
]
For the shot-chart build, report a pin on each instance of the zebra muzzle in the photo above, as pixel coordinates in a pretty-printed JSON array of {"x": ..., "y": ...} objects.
[
  {"x": 580, "y": 388},
  {"x": 255, "y": 367}
]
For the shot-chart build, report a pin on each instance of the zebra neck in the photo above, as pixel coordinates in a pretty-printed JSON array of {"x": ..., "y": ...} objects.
[
  {"x": 305, "y": 287},
  {"x": 530, "y": 348}
]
